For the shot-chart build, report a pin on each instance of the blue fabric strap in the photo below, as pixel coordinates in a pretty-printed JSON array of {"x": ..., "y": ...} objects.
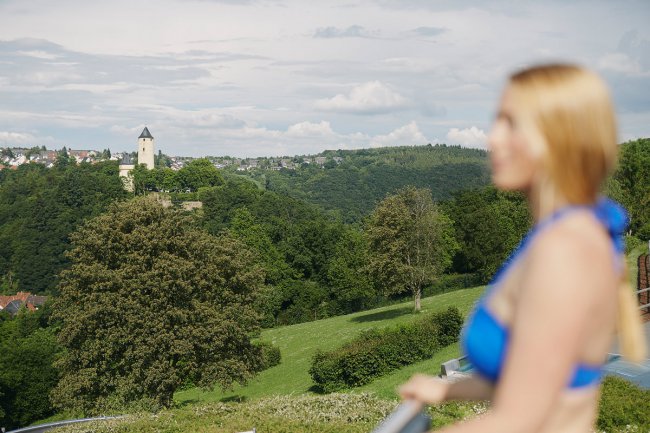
[{"x": 610, "y": 214}]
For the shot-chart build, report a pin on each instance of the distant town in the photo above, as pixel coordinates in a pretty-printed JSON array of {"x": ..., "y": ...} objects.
[{"x": 12, "y": 157}]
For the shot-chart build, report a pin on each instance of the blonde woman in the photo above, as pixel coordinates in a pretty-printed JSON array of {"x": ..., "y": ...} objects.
[{"x": 539, "y": 336}]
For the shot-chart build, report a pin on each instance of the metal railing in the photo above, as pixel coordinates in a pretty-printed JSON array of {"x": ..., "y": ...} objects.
[
  {"x": 408, "y": 417},
  {"x": 638, "y": 293},
  {"x": 51, "y": 425}
]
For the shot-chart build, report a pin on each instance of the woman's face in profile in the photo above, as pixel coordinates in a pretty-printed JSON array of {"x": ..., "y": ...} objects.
[{"x": 514, "y": 148}]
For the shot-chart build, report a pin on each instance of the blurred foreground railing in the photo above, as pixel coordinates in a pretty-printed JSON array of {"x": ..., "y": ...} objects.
[
  {"x": 51, "y": 425},
  {"x": 406, "y": 418},
  {"x": 647, "y": 298}
]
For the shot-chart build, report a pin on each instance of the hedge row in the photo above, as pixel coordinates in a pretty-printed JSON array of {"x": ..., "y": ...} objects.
[{"x": 377, "y": 352}]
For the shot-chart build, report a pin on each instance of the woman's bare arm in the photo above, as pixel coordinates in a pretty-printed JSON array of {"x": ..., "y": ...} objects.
[
  {"x": 470, "y": 388},
  {"x": 432, "y": 390}
]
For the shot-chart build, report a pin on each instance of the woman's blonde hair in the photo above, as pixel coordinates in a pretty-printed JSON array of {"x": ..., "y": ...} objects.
[{"x": 572, "y": 110}]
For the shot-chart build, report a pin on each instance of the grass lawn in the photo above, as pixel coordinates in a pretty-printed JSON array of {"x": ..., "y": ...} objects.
[{"x": 298, "y": 343}]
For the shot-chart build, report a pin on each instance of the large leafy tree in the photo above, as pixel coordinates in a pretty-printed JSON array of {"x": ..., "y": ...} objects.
[
  {"x": 488, "y": 225},
  {"x": 199, "y": 173},
  {"x": 411, "y": 242},
  {"x": 349, "y": 284},
  {"x": 151, "y": 302},
  {"x": 633, "y": 176}
]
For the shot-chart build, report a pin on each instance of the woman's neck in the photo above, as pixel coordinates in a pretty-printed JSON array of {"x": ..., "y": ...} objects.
[{"x": 543, "y": 201}]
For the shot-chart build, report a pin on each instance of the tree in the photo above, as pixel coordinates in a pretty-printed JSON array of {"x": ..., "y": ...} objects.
[
  {"x": 350, "y": 286},
  {"x": 633, "y": 176},
  {"x": 27, "y": 351},
  {"x": 411, "y": 242},
  {"x": 220, "y": 203},
  {"x": 39, "y": 207},
  {"x": 199, "y": 173},
  {"x": 161, "y": 160},
  {"x": 143, "y": 179},
  {"x": 488, "y": 225},
  {"x": 151, "y": 302},
  {"x": 6, "y": 152},
  {"x": 63, "y": 159}
]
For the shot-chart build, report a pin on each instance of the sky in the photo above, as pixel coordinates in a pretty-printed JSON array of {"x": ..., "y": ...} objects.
[{"x": 248, "y": 78}]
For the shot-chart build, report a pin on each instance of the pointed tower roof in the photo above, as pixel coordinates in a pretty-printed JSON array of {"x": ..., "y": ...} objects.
[{"x": 145, "y": 133}]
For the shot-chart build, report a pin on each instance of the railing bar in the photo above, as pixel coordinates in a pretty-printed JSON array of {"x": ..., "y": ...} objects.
[
  {"x": 647, "y": 289},
  {"x": 644, "y": 306}
]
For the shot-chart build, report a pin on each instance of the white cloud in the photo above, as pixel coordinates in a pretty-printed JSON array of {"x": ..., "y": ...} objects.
[
  {"x": 213, "y": 119},
  {"x": 468, "y": 137},
  {"x": 50, "y": 77},
  {"x": 15, "y": 138},
  {"x": 619, "y": 62},
  {"x": 122, "y": 130},
  {"x": 406, "y": 135},
  {"x": 366, "y": 98},
  {"x": 39, "y": 54},
  {"x": 309, "y": 129}
]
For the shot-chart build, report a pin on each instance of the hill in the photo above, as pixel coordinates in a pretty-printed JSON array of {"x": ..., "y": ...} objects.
[
  {"x": 298, "y": 343},
  {"x": 351, "y": 182}
]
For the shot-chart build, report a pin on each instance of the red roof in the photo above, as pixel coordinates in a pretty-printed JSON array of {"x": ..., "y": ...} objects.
[{"x": 31, "y": 301}]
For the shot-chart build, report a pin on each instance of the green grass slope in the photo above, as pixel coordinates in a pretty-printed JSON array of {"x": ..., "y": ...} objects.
[{"x": 298, "y": 343}]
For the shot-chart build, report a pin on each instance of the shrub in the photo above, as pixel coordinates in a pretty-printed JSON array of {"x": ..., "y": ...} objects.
[
  {"x": 631, "y": 242},
  {"x": 377, "y": 352},
  {"x": 270, "y": 355}
]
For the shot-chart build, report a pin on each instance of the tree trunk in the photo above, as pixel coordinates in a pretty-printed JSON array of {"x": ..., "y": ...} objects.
[{"x": 417, "y": 296}]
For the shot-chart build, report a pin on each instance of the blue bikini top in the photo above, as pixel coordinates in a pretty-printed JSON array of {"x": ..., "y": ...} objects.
[{"x": 485, "y": 339}]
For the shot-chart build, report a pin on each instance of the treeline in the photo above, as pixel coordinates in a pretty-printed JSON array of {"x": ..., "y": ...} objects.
[
  {"x": 39, "y": 209},
  {"x": 197, "y": 174},
  {"x": 317, "y": 266}
]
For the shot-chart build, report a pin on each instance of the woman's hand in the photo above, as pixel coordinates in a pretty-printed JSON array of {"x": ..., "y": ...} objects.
[{"x": 425, "y": 389}]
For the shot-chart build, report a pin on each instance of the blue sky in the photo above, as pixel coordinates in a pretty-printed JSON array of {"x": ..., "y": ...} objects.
[{"x": 262, "y": 78}]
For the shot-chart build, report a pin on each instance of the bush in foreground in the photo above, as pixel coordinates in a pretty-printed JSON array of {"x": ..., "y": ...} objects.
[{"x": 377, "y": 352}]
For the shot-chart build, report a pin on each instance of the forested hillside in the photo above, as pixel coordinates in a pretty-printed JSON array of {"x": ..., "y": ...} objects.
[
  {"x": 39, "y": 208},
  {"x": 361, "y": 178}
]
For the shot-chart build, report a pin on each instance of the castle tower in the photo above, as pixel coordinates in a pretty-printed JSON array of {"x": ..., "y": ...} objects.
[
  {"x": 126, "y": 166},
  {"x": 145, "y": 149}
]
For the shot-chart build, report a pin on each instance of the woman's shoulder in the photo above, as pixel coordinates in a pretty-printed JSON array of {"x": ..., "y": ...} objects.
[
  {"x": 576, "y": 251},
  {"x": 579, "y": 234}
]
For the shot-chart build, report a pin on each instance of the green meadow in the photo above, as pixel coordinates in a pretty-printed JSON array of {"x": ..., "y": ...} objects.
[
  {"x": 298, "y": 343},
  {"x": 281, "y": 399}
]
